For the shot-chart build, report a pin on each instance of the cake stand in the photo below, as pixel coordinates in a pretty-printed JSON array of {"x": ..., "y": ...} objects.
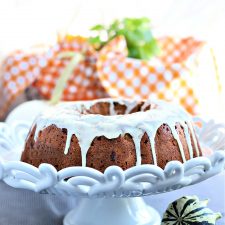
[{"x": 112, "y": 198}]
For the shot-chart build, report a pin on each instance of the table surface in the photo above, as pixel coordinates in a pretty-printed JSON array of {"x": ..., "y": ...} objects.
[{"x": 21, "y": 207}]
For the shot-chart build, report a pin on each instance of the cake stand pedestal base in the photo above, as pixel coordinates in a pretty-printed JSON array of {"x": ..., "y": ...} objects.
[{"x": 112, "y": 211}]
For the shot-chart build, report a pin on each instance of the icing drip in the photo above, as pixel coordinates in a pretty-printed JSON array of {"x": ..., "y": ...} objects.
[
  {"x": 112, "y": 111},
  {"x": 145, "y": 105},
  {"x": 152, "y": 142},
  {"x": 176, "y": 136},
  {"x": 130, "y": 107},
  {"x": 151, "y": 132},
  {"x": 88, "y": 126},
  {"x": 84, "y": 145},
  {"x": 194, "y": 138},
  {"x": 137, "y": 144},
  {"x": 68, "y": 140},
  {"x": 188, "y": 139}
]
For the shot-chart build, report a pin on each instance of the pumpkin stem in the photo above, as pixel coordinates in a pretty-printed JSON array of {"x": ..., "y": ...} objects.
[
  {"x": 218, "y": 215},
  {"x": 205, "y": 202}
]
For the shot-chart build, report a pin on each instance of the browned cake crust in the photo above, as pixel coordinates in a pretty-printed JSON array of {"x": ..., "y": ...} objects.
[{"x": 50, "y": 144}]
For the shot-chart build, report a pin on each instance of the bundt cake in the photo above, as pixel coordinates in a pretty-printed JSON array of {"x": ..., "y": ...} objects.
[{"x": 107, "y": 132}]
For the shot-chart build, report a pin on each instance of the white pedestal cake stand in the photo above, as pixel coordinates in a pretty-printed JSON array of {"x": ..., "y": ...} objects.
[{"x": 112, "y": 198}]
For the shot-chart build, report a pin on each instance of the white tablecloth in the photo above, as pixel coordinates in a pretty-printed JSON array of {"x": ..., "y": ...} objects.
[{"x": 21, "y": 207}]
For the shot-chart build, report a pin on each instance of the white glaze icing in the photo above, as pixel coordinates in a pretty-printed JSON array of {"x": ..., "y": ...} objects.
[
  {"x": 194, "y": 138},
  {"x": 188, "y": 139},
  {"x": 145, "y": 105},
  {"x": 112, "y": 111},
  {"x": 73, "y": 117},
  {"x": 176, "y": 136},
  {"x": 68, "y": 140}
]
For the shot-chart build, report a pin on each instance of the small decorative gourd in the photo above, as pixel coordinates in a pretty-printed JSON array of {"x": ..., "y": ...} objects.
[{"x": 189, "y": 210}]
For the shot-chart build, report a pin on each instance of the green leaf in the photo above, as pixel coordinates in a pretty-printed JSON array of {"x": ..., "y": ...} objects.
[
  {"x": 95, "y": 40},
  {"x": 140, "y": 41},
  {"x": 98, "y": 27}
]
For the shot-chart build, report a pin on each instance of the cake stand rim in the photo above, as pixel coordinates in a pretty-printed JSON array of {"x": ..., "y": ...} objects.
[{"x": 48, "y": 170}]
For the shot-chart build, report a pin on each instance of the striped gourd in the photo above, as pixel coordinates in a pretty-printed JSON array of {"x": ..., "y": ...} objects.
[{"x": 189, "y": 210}]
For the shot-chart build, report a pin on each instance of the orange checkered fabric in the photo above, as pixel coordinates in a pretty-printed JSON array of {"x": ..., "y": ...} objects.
[
  {"x": 104, "y": 73},
  {"x": 166, "y": 77}
]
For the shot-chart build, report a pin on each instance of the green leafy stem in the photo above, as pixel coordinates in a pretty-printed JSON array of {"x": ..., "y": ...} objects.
[
  {"x": 140, "y": 41},
  {"x": 64, "y": 77}
]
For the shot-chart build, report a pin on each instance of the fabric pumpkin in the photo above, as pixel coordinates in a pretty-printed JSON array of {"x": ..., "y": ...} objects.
[{"x": 189, "y": 210}]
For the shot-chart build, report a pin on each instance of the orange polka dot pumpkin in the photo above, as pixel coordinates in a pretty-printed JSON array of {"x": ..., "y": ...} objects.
[{"x": 105, "y": 73}]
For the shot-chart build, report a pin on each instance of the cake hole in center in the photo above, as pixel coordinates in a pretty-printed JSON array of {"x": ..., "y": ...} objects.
[{"x": 106, "y": 109}]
